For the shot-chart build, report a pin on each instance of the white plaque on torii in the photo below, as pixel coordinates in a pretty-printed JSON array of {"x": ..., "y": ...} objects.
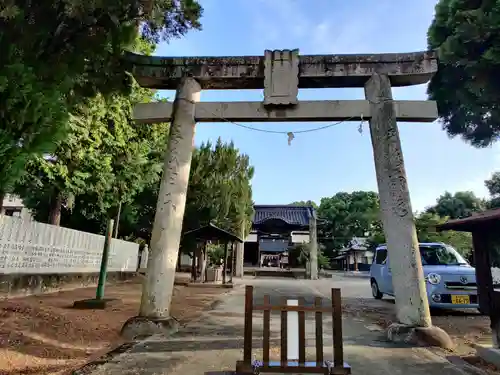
[{"x": 281, "y": 77}]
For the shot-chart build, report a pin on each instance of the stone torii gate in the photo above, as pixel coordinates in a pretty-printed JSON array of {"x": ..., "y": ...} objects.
[{"x": 281, "y": 73}]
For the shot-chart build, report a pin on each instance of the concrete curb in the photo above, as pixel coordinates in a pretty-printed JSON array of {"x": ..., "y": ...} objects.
[
  {"x": 362, "y": 275},
  {"x": 463, "y": 365},
  {"x": 357, "y": 274},
  {"x": 91, "y": 366},
  {"x": 209, "y": 285},
  {"x": 489, "y": 354},
  {"x": 456, "y": 361}
]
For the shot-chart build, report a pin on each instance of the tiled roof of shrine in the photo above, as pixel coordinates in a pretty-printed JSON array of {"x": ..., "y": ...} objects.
[{"x": 293, "y": 215}]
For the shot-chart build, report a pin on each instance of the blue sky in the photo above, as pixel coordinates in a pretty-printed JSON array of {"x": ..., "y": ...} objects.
[{"x": 320, "y": 164}]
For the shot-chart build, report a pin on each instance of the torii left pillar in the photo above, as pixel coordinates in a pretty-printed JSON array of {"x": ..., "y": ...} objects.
[{"x": 154, "y": 315}]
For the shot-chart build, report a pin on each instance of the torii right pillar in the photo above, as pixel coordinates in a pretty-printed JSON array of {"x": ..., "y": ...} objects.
[{"x": 408, "y": 281}]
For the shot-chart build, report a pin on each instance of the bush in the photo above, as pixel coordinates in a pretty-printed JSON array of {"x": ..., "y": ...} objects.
[{"x": 299, "y": 256}]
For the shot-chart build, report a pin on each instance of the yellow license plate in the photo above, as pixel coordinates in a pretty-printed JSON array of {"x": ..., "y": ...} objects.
[{"x": 460, "y": 300}]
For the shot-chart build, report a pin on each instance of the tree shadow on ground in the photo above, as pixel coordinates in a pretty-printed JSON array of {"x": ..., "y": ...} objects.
[
  {"x": 32, "y": 331},
  {"x": 225, "y": 343},
  {"x": 41, "y": 328}
]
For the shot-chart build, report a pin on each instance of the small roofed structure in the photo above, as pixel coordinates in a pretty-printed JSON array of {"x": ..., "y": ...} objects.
[
  {"x": 489, "y": 219},
  {"x": 355, "y": 256},
  {"x": 213, "y": 234},
  {"x": 485, "y": 229}
]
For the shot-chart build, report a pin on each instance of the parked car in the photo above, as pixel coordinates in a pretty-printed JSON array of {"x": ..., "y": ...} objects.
[{"x": 450, "y": 280}]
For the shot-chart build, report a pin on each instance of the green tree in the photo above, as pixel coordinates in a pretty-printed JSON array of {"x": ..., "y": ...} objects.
[
  {"x": 425, "y": 224},
  {"x": 55, "y": 54},
  {"x": 26, "y": 128},
  {"x": 459, "y": 205},
  {"x": 493, "y": 186},
  {"x": 300, "y": 255},
  {"x": 103, "y": 162},
  {"x": 105, "y": 156},
  {"x": 219, "y": 188},
  {"x": 466, "y": 87},
  {"x": 347, "y": 215},
  {"x": 78, "y": 164},
  {"x": 219, "y": 192},
  {"x": 426, "y": 231},
  {"x": 308, "y": 203}
]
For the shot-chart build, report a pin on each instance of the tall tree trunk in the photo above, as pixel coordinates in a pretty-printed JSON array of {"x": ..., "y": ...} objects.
[
  {"x": 55, "y": 210},
  {"x": 178, "y": 266},
  {"x": 115, "y": 235},
  {"x": 224, "y": 265},
  {"x": 199, "y": 263},
  {"x": 2, "y": 197},
  {"x": 240, "y": 253},
  {"x": 193, "y": 266}
]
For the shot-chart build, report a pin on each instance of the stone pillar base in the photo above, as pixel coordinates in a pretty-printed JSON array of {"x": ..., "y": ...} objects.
[
  {"x": 421, "y": 336},
  {"x": 140, "y": 327}
]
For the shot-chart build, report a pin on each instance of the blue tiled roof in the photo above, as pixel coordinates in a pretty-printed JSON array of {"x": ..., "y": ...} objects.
[{"x": 293, "y": 215}]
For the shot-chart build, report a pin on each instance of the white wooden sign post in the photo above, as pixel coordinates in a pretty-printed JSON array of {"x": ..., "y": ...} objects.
[{"x": 293, "y": 332}]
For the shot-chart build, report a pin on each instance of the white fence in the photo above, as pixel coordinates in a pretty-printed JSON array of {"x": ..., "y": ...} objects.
[{"x": 29, "y": 247}]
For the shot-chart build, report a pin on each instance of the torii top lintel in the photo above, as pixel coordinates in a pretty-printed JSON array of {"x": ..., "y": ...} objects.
[{"x": 314, "y": 71}]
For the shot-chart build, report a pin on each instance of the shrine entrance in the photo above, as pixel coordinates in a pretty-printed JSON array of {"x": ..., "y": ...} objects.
[
  {"x": 281, "y": 73},
  {"x": 277, "y": 230}
]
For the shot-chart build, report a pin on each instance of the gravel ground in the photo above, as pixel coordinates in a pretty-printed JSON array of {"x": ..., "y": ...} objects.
[{"x": 44, "y": 335}]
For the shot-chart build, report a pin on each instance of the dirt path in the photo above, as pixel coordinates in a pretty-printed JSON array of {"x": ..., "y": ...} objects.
[{"x": 44, "y": 335}]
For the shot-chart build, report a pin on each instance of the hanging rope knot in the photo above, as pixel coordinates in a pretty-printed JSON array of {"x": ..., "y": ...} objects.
[{"x": 360, "y": 127}]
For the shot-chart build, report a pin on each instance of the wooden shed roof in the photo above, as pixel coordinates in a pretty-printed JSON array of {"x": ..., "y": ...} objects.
[
  {"x": 472, "y": 223},
  {"x": 211, "y": 232}
]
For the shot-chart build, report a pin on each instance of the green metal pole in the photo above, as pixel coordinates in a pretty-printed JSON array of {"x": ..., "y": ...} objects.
[{"x": 104, "y": 261}]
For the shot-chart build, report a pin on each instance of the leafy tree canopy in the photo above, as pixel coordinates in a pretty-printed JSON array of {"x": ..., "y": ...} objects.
[
  {"x": 219, "y": 192},
  {"x": 347, "y": 215},
  {"x": 56, "y": 54},
  {"x": 83, "y": 41},
  {"x": 220, "y": 188},
  {"x": 466, "y": 34},
  {"x": 103, "y": 162},
  {"x": 493, "y": 186},
  {"x": 95, "y": 168},
  {"x": 32, "y": 116},
  {"x": 425, "y": 224},
  {"x": 308, "y": 203},
  {"x": 459, "y": 205}
]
